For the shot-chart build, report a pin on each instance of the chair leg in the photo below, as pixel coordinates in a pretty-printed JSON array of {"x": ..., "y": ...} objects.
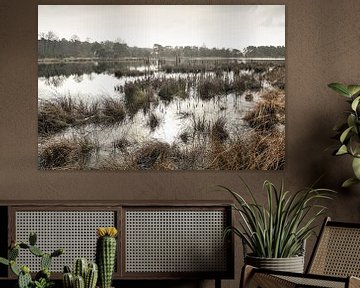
[
  {"x": 246, "y": 274},
  {"x": 354, "y": 282}
]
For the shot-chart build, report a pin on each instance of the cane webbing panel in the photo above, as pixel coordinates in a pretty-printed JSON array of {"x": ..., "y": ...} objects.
[
  {"x": 313, "y": 282},
  {"x": 175, "y": 241},
  {"x": 267, "y": 280},
  {"x": 75, "y": 231},
  {"x": 338, "y": 252}
]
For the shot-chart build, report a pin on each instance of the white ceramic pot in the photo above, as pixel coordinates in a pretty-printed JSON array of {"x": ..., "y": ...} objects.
[{"x": 291, "y": 264}]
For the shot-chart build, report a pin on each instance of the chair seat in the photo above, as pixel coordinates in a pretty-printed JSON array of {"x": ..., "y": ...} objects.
[
  {"x": 315, "y": 282},
  {"x": 268, "y": 279}
]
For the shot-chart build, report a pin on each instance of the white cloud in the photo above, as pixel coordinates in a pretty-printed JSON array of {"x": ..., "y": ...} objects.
[{"x": 230, "y": 26}]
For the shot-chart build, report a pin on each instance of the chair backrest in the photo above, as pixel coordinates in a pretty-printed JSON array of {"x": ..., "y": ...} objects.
[{"x": 337, "y": 251}]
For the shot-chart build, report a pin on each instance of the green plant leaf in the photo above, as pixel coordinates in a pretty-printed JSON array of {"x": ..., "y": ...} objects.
[
  {"x": 345, "y": 134},
  {"x": 349, "y": 182},
  {"x": 354, "y": 145},
  {"x": 355, "y": 103},
  {"x": 356, "y": 167},
  {"x": 353, "y": 89},
  {"x": 340, "y": 88},
  {"x": 351, "y": 120},
  {"x": 342, "y": 150},
  {"x": 4, "y": 261},
  {"x": 14, "y": 268}
]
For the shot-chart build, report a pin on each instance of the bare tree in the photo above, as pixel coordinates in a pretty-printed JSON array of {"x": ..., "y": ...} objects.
[{"x": 75, "y": 38}]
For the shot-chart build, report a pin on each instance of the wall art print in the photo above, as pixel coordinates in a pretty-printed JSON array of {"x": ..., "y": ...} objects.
[{"x": 161, "y": 87}]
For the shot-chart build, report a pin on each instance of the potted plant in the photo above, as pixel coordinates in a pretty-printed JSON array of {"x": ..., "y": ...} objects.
[
  {"x": 276, "y": 233},
  {"x": 84, "y": 274},
  {"x": 348, "y": 133},
  {"x": 42, "y": 278}
]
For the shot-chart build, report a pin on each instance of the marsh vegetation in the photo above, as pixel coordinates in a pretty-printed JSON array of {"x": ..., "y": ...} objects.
[{"x": 220, "y": 114}]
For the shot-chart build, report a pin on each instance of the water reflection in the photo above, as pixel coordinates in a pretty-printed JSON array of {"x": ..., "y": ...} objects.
[{"x": 179, "y": 120}]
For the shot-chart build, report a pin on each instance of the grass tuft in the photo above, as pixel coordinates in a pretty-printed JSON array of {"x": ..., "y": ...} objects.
[
  {"x": 268, "y": 112},
  {"x": 251, "y": 151},
  {"x": 171, "y": 88},
  {"x": 113, "y": 111},
  {"x": 218, "y": 130},
  {"x": 64, "y": 154}
]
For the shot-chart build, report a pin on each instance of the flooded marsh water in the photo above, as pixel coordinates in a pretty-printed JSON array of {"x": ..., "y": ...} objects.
[{"x": 131, "y": 116}]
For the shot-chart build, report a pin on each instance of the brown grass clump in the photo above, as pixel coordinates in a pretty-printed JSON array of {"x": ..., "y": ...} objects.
[
  {"x": 268, "y": 112},
  {"x": 171, "y": 88},
  {"x": 136, "y": 98},
  {"x": 199, "y": 124},
  {"x": 252, "y": 151},
  {"x": 276, "y": 76},
  {"x": 154, "y": 121},
  {"x": 218, "y": 130},
  {"x": 65, "y": 154},
  {"x": 209, "y": 87},
  {"x": 54, "y": 116},
  {"x": 151, "y": 155},
  {"x": 112, "y": 111},
  {"x": 239, "y": 85},
  {"x": 121, "y": 143}
]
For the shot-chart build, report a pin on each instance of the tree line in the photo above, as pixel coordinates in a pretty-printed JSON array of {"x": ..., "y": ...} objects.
[{"x": 50, "y": 46}]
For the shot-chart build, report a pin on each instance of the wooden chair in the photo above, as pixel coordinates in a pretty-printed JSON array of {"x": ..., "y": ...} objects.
[{"x": 335, "y": 262}]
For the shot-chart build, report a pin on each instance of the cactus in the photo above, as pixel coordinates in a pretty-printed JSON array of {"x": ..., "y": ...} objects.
[
  {"x": 14, "y": 268},
  {"x": 24, "y": 246},
  {"x": 4, "y": 261},
  {"x": 68, "y": 280},
  {"x": 45, "y": 261},
  {"x": 105, "y": 254},
  {"x": 57, "y": 252},
  {"x": 13, "y": 253},
  {"x": 88, "y": 273},
  {"x": 32, "y": 238},
  {"x": 91, "y": 276},
  {"x": 24, "y": 278},
  {"x": 36, "y": 251},
  {"x": 67, "y": 269},
  {"x": 79, "y": 282},
  {"x": 44, "y": 273},
  {"x": 80, "y": 267}
]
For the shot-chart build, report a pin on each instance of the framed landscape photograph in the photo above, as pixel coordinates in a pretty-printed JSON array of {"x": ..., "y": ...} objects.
[{"x": 161, "y": 87}]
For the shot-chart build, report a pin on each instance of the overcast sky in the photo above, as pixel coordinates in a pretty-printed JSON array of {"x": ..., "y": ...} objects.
[{"x": 229, "y": 26}]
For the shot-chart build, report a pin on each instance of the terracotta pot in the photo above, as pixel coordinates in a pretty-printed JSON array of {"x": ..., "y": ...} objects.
[{"x": 291, "y": 264}]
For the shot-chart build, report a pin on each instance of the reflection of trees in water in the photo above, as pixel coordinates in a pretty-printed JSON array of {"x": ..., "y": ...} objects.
[
  {"x": 55, "y": 81},
  {"x": 78, "y": 78},
  {"x": 65, "y": 69},
  {"x": 90, "y": 77},
  {"x": 79, "y": 69}
]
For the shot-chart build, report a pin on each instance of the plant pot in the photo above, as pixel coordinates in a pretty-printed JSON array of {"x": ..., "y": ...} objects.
[{"x": 291, "y": 264}]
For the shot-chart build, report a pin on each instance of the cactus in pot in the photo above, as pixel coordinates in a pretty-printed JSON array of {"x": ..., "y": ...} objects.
[
  {"x": 79, "y": 282},
  {"x": 91, "y": 276},
  {"x": 106, "y": 254},
  {"x": 42, "y": 278},
  {"x": 85, "y": 275}
]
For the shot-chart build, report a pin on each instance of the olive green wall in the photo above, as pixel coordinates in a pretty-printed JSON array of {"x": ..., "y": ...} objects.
[{"x": 323, "y": 46}]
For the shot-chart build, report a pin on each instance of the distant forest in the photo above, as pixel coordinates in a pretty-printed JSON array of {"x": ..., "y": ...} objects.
[{"x": 50, "y": 46}]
